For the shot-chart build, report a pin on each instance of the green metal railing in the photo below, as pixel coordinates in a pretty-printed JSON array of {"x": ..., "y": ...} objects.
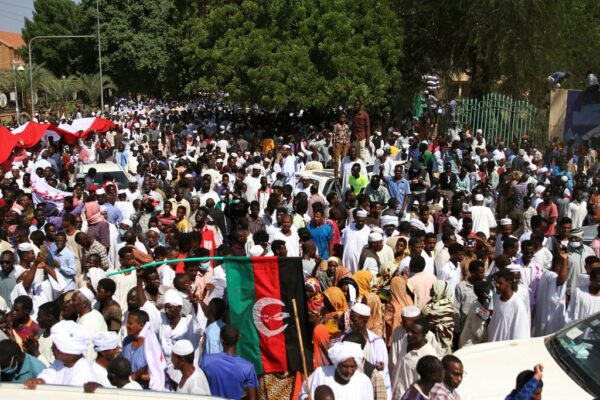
[{"x": 499, "y": 116}]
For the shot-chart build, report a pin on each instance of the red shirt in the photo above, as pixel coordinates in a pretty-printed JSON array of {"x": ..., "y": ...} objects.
[{"x": 547, "y": 212}]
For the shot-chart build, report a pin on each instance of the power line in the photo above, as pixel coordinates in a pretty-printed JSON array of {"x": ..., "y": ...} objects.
[{"x": 4, "y": 3}]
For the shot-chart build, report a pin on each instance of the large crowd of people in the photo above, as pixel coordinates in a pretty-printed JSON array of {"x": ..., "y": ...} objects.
[{"x": 425, "y": 243}]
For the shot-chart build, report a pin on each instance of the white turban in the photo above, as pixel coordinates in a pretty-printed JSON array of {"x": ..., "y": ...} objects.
[
  {"x": 362, "y": 214},
  {"x": 25, "y": 246},
  {"x": 389, "y": 220},
  {"x": 70, "y": 337},
  {"x": 105, "y": 340},
  {"x": 87, "y": 293},
  {"x": 375, "y": 237},
  {"x": 340, "y": 352},
  {"x": 173, "y": 298}
]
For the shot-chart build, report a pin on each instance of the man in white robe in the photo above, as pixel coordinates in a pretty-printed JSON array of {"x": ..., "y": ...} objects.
[
  {"x": 585, "y": 303},
  {"x": 70, "y": 342},
  {"x": 89, "y": 318},
  {"x": 511, "y": 319},
  {"x": 354, "y": 237},
  {"x": 416, "y": 346},
  {"x": 550, "y": 310},
  {"x": 343, "y": 377},
  {"x": 193, "y": 380},
  {"x": 288, "y": 169}
]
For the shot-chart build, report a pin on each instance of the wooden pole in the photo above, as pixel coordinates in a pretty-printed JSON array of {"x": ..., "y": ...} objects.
[{"x": 301, "y": 348}]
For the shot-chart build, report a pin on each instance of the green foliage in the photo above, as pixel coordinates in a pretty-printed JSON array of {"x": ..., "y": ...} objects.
[
  {"x": 287, "y": 54},
  {"x": 90, "y": 86},
  {"x": 54, "y": 17}
]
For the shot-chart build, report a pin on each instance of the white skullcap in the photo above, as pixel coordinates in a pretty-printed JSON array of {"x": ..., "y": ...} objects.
[
  {"x": 362, "y": 214},
  {"x": 70, "y": 337},
  {"x": 379, "y": 152},
  {"x": 411, "y": 312},
  {"x": 234, "y": 155},
  {"x": 87, "y": 293},
  {"x": 389, "y": 220},
  {"x": 257, "y": 166},
  {"x": 25, "y": 246},
  {"x": 17, "y": 165},
  {"x": 416, "y": 203},
  {"x": 375, "y": 237},
  {"x": 188, "y": 176},
  {"x": 361, "y": 309},
  {"x": 543, "y": 170},
  {"x": 479, "y": 131},
  {"x": 540, "y": 189},
  {"x": 173, "y": 298},
  {"x": 100, "y": 191},
  {"x": 127, "y": 222},
  {"x": 514, "y": 267},
  {"x": 342, "y": 351},
  {"x": 286, "y": 146},
  {"x": 505, "y": 221},
  {"x": 484, "y": 160},
  {"x": 155, "y": 229},
  {"x": 564, "y": 178},
  {"x": 183, "y": 347},
  {"x": 256, "y": 250},
  {"x": 219, "y": 160},
  {"x": 267, "y": 159},
  {"x": 105, "y": 340},
  {"x": 122, "y": 191},
  {"x": 478, "y": 197}
]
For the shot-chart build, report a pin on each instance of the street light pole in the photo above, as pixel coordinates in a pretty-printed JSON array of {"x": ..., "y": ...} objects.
[
  {"x": 16, "y": 90},
  {"x": 31, "y": 63},
  {"x": 100, "y": 58}
]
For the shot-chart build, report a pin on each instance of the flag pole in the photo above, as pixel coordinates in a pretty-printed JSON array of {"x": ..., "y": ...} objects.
[
  {"x": 175, "y": 261},
  {"x": 301, "y": 348}
]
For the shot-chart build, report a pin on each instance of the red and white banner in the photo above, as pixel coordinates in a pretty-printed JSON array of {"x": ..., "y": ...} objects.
[
  {"x": 41, "y": 192},
  {"x": 82, "y": 127}
]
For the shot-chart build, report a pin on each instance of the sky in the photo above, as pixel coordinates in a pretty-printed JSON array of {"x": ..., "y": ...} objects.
[{"x": 13, "y": 13}]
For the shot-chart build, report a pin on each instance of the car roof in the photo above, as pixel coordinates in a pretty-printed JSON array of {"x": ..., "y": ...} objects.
[
  {"x": 100, "y": 167},
  {"x": 323, "y": 174}
]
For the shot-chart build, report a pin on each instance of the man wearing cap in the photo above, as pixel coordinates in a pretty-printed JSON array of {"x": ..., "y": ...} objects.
[
  {"x": 343, "y": 377},
  {"x": 410, "y": 344},
  {"x": 70, "y": 342},
  {"x": 375, "y": 255},
  {"x": 578, "y": 252},
  {"x": 483, "y": 218},
  {"x": 193, "y": 380},
  {"x": 375, "y": 350},
  {"x": 354, "y": 238},
  {"x": 107, "y": 346},
  {"x": 506, "y": 232},
  {"x": 89, "y": 318}
]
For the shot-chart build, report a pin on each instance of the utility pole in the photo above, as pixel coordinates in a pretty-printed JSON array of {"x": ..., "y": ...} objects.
[{"x": 100, "y": 57}]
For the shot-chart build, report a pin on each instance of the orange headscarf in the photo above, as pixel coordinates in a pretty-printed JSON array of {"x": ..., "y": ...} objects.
[
  {"x": 375, "y": 322},
  {"x": 393, "y": 310},
  {"x": 363, "y": 280}
]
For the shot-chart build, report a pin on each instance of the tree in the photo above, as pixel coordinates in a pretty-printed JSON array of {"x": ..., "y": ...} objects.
[
  {"x": 285, "y": 54},
  {"x": 61, "y": 91},
  {"x": 90, "y": 85},
  {"x": 54, "y": 17}
]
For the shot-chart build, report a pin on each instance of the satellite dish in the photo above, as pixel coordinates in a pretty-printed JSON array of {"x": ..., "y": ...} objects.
[
  {"x": 3, "y": 100},
  {"x": 35, "y": 98}
]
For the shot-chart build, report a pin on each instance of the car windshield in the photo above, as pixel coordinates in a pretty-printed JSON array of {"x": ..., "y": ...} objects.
[{"x": 576, "y": 348}]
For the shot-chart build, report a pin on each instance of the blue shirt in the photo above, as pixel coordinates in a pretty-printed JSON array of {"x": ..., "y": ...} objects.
[
  {"x": 228, "y": 375},
  {"x": 398, "y": 189},
  {"x": 212, "y": 338},
  {"x": 526, "y": 391},
  {"x": 137, "y": 357},
  {"x": 68, "y": 265},
  {"x": 30, "y": 369},
  {"x": 321, "y": 236},
  {"x": 114, "y": 214}
]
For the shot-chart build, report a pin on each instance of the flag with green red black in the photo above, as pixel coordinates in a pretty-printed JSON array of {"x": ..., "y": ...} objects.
[{"x": 260, "y": 292}]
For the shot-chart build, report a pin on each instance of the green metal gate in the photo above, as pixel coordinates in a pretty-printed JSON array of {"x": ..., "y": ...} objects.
[{"x": 499, "y": 116}]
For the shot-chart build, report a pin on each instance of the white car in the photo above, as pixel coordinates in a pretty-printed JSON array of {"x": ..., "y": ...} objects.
[
  {"x": 323, "y": 177},
  {"x": 118, "y": 174},
  {"x": 571, "y": 360}
]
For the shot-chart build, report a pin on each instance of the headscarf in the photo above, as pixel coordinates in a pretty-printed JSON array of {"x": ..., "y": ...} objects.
[
  {"x": 439, "y": 312},
  {"x": 363, "y": 280},
  {"x": 316, "y": 303},
  {"x": 92, "y": 212},
  {"x": 352, "y": 288},
  {"x": 399, "y": 300},
  {"x": 336, "y": 298},
  {"x": 375, "y": 322},
  {"x": 340, "y": 272},
  {"x": 321, "y": 336}
]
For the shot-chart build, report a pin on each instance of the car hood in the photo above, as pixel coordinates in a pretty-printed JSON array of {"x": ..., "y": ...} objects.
[{"x": 492, "y": 368}]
